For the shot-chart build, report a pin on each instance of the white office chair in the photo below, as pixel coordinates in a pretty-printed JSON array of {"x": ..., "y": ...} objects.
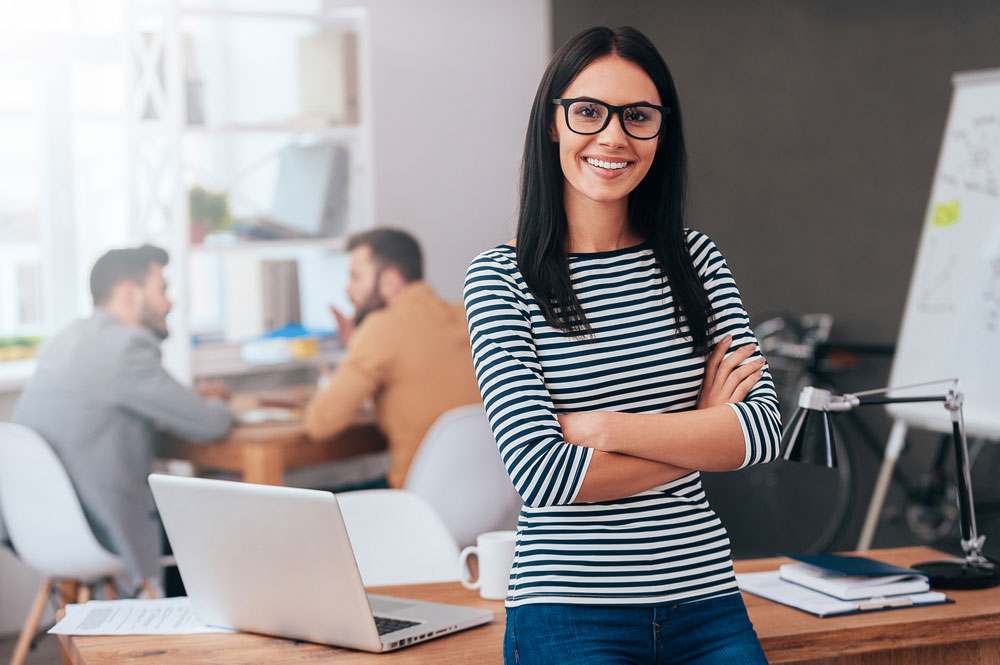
[
  {"x": 398, "y": 538},
  {"x": 458, "y": 470},
  {"x": 46, "y": 524}
]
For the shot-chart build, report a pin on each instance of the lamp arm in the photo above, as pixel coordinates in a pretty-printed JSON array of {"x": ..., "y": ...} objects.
[
  {"x": 849, "y": 401},
  {"x": 898, "y": 400},
  {"x": 972, "y": 542},
  {"x": 882, "y": 391}
]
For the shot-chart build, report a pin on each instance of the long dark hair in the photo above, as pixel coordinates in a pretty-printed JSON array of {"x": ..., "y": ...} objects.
[{"x": 655, "y": 206}]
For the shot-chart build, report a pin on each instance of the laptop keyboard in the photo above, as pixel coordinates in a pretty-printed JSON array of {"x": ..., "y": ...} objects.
[{"x": 386, "y": 625}]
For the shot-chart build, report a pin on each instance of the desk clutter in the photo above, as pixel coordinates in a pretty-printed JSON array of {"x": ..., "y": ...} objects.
[
  {"x": 268, "y": 414},
  {"x": 320, "y": 594},
  {"x": 853, "y": 577},
  {"x": 154, "y": 616},
  {"x": 967, "y": 631},
  {"x": 834, "y": 585}
]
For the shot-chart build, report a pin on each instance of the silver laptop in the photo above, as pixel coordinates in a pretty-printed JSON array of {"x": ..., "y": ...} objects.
[{"x": 278, "y": 561}]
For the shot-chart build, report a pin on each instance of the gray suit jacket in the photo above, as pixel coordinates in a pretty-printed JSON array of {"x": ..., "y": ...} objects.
[{"x": 98, "y": 396}]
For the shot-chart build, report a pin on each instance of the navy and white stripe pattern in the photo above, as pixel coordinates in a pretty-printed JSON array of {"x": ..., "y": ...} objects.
[{"x": 662, "y": 545}]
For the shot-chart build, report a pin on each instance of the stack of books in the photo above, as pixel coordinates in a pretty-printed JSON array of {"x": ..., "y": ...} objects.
[{"x": 835, "y": 584}]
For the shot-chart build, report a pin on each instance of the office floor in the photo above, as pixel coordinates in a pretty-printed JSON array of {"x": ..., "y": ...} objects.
[{"x": 46, "y": 652}]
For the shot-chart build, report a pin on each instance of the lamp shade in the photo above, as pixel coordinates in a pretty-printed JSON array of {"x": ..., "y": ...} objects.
[{"x": 809, "y": 438}]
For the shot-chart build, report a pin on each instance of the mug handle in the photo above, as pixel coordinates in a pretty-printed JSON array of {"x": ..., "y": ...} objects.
[{"x": 463, "y": 568}]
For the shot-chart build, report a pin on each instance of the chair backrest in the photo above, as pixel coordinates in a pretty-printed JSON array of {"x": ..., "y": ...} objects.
[
  {"x": 398, "y": 538},
  {"x": 458, "y": 470},
  {"x": 42, "y": 513}
]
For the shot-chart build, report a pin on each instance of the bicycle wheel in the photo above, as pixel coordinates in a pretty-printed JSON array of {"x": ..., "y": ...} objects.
[
  {"x": 784, "y": 507},
  {"x": 934, "y": 519}
]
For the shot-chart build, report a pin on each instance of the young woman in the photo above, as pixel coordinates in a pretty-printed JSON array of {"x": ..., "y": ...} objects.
[{"x": 616, "y": 361}]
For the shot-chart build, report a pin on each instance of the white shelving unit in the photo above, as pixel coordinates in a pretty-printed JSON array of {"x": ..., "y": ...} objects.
[
  {"x": 340, "y": 134},
  {"x": 160, "y": 46},
  {"x": 271, "y": 249}
]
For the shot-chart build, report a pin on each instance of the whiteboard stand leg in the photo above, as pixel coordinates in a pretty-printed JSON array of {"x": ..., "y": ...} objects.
[{"x": 893, "y": 448}]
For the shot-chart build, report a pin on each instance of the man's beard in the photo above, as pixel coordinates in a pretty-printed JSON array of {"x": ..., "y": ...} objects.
[
  {"x": 152, "y": 325},
  {"x": 371, "y": 304}
]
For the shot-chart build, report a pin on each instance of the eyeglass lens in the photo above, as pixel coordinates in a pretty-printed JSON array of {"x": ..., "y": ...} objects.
[{"x": 586, "y": 117}]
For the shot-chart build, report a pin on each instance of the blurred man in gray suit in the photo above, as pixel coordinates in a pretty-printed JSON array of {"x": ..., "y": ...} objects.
[{"x": 100, "y": 394}]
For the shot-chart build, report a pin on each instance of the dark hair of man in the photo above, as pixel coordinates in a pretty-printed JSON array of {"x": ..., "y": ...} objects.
[
  {"x": 392, "y": 248},
  {"x": 655, "y": 206},
  {"x": 123, "y": 265}
]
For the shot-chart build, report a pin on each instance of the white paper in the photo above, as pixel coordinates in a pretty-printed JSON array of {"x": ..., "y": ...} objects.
[
  {"x": 770, "y": 585},
  {"x": 160, "y": 616}
]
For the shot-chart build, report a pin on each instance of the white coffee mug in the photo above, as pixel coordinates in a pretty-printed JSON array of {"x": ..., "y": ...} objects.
[{"x": 495, "y": 553}]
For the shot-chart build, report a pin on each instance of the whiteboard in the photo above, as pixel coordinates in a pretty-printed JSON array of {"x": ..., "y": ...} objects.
[{"x": 951, "y": 324}]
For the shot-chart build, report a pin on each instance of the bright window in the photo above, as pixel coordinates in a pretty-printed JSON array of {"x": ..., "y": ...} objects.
[{"x": 63, "y": 186}]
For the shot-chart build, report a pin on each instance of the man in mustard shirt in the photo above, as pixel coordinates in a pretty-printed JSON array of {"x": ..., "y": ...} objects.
[{"x": 407, "y": 350}]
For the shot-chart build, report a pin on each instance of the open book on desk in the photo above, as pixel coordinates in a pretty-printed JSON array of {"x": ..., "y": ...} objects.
[
  {"x": 770, "y": 585},
  {"x": 853, "y": 577}
]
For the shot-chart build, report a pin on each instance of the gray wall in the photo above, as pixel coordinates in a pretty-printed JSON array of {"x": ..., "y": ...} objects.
[{"x": 813, "y": 130}]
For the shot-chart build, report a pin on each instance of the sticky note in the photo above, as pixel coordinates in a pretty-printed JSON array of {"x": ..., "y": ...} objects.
[{"x": 946, "y": 213}]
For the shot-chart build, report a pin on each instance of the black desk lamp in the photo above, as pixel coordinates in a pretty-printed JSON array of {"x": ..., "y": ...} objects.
[{"x": 809, "y": 438}]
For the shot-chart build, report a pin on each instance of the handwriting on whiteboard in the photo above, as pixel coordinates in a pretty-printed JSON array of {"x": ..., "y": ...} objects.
[{"x": 972, "y": 162}]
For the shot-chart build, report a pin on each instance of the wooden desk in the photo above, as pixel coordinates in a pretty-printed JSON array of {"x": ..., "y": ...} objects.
[
  {"x": 966, "y": 632},
  {"x": 261, "y": 453}
]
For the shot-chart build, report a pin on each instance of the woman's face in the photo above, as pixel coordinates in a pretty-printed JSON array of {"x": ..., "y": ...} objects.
[{"x": 615, "y": 81}]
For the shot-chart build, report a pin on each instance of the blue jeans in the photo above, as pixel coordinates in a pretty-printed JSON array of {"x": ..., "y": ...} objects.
[{"x": 709, "y": 632}]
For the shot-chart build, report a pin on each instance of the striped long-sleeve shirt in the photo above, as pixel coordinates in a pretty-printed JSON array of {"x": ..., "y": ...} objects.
[{"x": 659, "y": 546}]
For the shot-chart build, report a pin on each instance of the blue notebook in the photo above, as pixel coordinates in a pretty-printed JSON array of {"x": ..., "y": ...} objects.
[
  {"x": 853, "y": 577},
  {"x": 853, "y": 565}
]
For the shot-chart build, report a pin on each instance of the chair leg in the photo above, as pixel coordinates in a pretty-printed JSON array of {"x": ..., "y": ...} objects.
[
  {"x": 68, "y": 591},
  {"x": 84, "y": 593},
  {"x": 151, "y": 591},
  {"x": 110, "y": 592},
  {"x": 30, "y": 628}
]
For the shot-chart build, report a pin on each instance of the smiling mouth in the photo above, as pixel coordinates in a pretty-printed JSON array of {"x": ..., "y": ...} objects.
[{"x": 610, "y": 166}]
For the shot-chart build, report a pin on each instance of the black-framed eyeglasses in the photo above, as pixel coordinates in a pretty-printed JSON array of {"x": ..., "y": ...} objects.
[{"x": 591, "y": 116}]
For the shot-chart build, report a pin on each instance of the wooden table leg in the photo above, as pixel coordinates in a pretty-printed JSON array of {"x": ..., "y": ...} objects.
[
  {"x": 68, "y": 592},
  {"x": 263, "y": 464}
]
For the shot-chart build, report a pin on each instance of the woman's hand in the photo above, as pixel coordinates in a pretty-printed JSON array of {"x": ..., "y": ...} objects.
[
  {"x": 587, "y": 428},
  {"x": 726, "y": 380}
]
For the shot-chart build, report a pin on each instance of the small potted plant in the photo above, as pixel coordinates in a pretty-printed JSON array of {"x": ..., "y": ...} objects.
[{"x": 209, "y": 213}]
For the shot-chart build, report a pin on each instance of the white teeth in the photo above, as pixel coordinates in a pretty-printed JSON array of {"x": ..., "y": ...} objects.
[{"x": 606, "y": 165}]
